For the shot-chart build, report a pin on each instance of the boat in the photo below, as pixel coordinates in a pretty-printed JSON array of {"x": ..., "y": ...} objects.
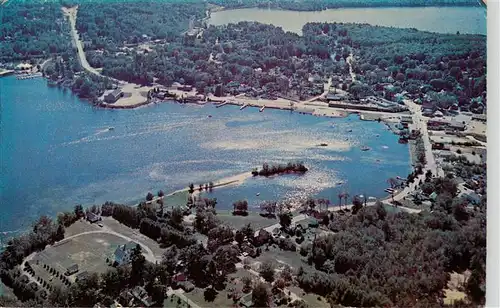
[
  {"x": 389, "y": 190},
  {"x": 257, "y": 194},
  {"x": 209, "y": 115},
  {"x": 111, "y": 128},
  {"x": 365, "y": 148},
  {"x": 349, "y": 131},
  {"x": 340, "y": 183}
]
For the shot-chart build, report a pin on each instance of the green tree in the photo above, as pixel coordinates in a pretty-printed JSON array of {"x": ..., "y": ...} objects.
[
  {"x": 79, "y": 211},
  {"x": 267, "y": 271},
  {"x": 260, "y": 295},
  {"x": 247, "y": 283},
  {"x": 177, "y": 216},
  {"x": 285, "y": 220},
  {"x": 138, "y": 262},
  {"x": 239, "y": 237}
]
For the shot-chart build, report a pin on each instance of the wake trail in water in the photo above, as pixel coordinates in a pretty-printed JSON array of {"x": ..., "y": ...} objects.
[{"x": 148, "y": 130}]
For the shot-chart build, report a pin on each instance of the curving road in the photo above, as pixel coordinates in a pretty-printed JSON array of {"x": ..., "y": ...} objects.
[{"x": 149, "y": 255}]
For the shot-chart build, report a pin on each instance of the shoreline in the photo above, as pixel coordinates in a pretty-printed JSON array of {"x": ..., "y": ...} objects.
[{"x": 217, "y": 8}]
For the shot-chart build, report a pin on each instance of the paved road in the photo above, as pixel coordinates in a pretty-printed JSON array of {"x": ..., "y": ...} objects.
[
  {"x": 350, "y": 59},
  {"x": 71, "y": 14},
  {"x": 420, "y": 123}
]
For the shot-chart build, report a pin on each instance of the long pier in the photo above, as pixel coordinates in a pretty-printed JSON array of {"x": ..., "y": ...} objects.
[
  {"x": 221, "y": 104},
  {"x": 244, "y": 106},
  {"x": 262, "y": 109},
  {"x": 30, "y": 76}
]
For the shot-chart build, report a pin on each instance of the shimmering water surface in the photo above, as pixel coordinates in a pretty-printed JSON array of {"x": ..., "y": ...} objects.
[{"x": 57, "y": 151}]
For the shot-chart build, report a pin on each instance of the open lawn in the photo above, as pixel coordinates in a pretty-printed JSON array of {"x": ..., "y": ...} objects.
[
  {"x": 311, "y": 300},
  {"x": 253, "y": 218},
  {"x": 197, "y": 296},
  {"x": 174, "y": 301},
  {"x": 79, "y": 227},
  {"x": 177, "y": 199},
  {"x": 89, "y": 251},
  {"x": 280, "y": 257}
]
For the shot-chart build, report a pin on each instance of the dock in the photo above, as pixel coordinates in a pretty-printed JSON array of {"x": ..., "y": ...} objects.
[
  {"x": 221, "y": 104},
  {"x": 262, "y": 108},
  {"x": 29, "y": 76},
  {"x": 244, "y": 106}
]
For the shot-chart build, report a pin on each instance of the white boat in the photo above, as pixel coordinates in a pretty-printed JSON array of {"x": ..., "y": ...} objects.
[{"x": 257, "y": 194}]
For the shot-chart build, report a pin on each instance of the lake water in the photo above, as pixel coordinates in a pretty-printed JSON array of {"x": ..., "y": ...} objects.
[
  {"x": 470, "y": 20},
  {"x": 56, "y": 152}
]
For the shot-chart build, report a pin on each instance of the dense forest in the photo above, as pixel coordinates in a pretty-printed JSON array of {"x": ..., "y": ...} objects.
[
  {"x": 318, "y": 5},
  {"x": 32, "y": 30},
  {"x": 110, "y": 25}
]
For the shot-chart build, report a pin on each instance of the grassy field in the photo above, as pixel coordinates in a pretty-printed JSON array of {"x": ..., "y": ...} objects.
[
  {"x": 311, "y": 300},
  {"x": 180, "y": 198},
  {"x": 80, "y": 227},
  {"x": 253, "y": 218},
  {"x": 88, "y": 251},
  {"x": 220, "y": 301},
  {"x": 134, "y": 234},
  {"x": 279, "y": 257},
  {"x": 174, "y": 301}
]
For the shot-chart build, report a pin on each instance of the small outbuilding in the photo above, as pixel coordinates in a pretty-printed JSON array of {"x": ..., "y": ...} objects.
[
  {"x": 92, "y": 218},
  {"x": 73, "y": 269}
]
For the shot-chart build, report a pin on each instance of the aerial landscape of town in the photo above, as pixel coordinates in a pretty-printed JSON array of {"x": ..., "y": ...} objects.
[{"x": 243, "y": 153}]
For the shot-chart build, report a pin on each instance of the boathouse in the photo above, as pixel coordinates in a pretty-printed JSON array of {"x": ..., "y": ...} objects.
[{"x": 112, "y": 97}]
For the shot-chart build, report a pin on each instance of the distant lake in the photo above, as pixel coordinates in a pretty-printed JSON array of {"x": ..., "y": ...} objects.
[
  {"x": 56, "y": 151},
  {"x": 471, "y": 20}
]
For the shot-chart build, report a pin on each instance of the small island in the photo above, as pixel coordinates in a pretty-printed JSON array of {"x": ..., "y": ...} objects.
[{"x": 269, "y": 170}]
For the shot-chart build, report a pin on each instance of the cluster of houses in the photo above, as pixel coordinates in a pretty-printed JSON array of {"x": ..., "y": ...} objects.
[{"x": 138, "y": 297}]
